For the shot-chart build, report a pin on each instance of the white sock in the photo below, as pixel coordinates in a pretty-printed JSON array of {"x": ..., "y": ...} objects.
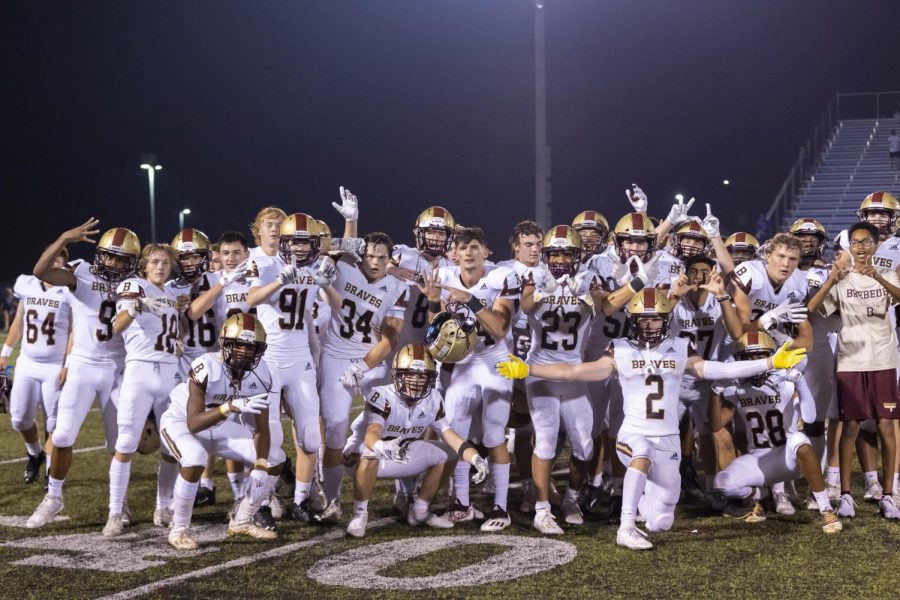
[
  {"x": 54, "y": 487},
  {"x": 542, "y": 505},
  {"x": 501, "y": 483},
  {"x": 331, "y": 481},
  {"x": 236, "y": 480},
  {"x": 778, "y": 488},
  {"x": 420, "y": 508},
  {"x": 360, "y": 507},
  {"x": 301, "y": 491},
  {"x": 183, "y": 502},
  {"x": 596, "y": 480},
  {"x": 571, "y": 494},
  {"x": 632, "y": 489},
  {"x": 822, "y": 501},
  {"x": 33, "y": 448},
  {"x": 208, "y": 483},
  {"x": 461, "y": 482},
  {"x": 165, "y": 483},
  {"x": 871, "y": 476},
  {"x": 833, "y": 476},
  {"x": 119, "y": 474}
]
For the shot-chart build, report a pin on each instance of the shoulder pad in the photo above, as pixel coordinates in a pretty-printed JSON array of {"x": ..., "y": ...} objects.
[{"x": 504, "y": 279}]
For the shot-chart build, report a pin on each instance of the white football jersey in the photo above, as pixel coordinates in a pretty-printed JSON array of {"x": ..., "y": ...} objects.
[
  {"x": 231, "y": 301},
  {"x": 520, "y": 319},
  {"x": 200, "y": 336},
  {"x": 284, "y": 314},
  {"x": 559, "y": 327},
  {"x": 651, "y": 383},
  {"x": 415, "y": 320},
  {"x": 497, "y": 282},
  {"x": 209, "y": 369},
  {"x": 753, "y": 280},
  {"x": 93, "y": 311},
  {"x": 385, "y": 407},
  {"x": 669, "y": 266},
  {"x": 355, "y": 325},
  {"x": 823, "y": 327},
  {"x": 46, "y": 319},
  {"x": 702, "y": 325},
  {"x": 888, "y": 254},
  {"x": 149, "y": 337},
  {"x": 768, "y": 410}
]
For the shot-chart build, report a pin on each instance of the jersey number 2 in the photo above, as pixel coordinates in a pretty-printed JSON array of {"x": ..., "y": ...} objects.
[{"x": 654, "y": 396}]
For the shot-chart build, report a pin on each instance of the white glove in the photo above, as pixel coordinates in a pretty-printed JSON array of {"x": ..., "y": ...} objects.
[
  {"x": 354, "y": 247},
  {"x": 235, "y": 275},
  {"x": 391, "y": 450},
  {"x": 637, "y": 197},
  {"x": 710, "y": 224},
  {"x": 581, "y": 284},
  {"x": 678, "y": 214},
  {"x": 349, "y": 206},
  {"x": 844, "y": 240},
  {"x": 481, "y": 468},
  {"x": 154, "y": 306},
  {"x": 352, "y": 376},
  {"x": 289, "y": 274},
  {"x": 786, "y": 312},
  {"x": 324, "y": 276},
  {"x": 639, "y": 273},
  {"x": 251, "y": 405},
  {"x": 545, "y": 284}
]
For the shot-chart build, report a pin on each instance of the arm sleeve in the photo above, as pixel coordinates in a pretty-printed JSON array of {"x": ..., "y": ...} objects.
[{"x": 739, "y": 369}]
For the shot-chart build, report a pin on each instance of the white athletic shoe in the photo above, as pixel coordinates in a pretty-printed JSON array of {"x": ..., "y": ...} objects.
[
  {"x": 874, "y": 492},
  {"x": 49, "y": 507},
  {"x": 430, "y": 519},
  {"x": 496, "y": 520},
  {"x": 888, "y": 509},
  {"x": 459, "y": 513},
  {"x": 572, "y": 512},
  {"x": 529, "y": 496},
  {"x": 783, "y": 504},
  {"x": 847, "y": 507},
  {"x": 545, "y": 522},
  {"x": 357, "y": 525},
  {"x": 162, "y": 517},
  {"x": 114, "y": 526},
  {"x": 634, "y": 538},
  {"x": 181, "y": 539}
]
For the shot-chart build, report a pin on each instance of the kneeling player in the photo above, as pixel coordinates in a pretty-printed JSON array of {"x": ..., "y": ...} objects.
[
  {"x": 650, "y": 364},
  {"x": 778, "y": 452},
  {"x": 396, "y": 417},
  {"x": 223, "y": 410}
]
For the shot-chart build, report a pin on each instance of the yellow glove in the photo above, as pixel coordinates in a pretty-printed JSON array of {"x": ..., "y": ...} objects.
[
  {"x": 785, "y": 358},
  {"x": 514, "y": 368}
]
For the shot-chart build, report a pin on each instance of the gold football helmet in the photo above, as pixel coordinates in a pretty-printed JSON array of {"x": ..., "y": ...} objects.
[
  {"x": 756, "y": 343},
  {"x": 324, "y": 236},
  {"x": 435, "y": 220},
  {"x": 594, "y": 230},
  {"x": 149, "y": 442},
  {"x": 645, "y": 309},
  {"x": 881, "y": 209},
  {"x": 243, "y": 342},
  {"x": 812, "y": 240},
  {"x": 193, "y": 250},
  {"x": 564, "y": 244},
  {"x": 414, "y": 372},
  {"x": 452, "y": 335},
  {"x": 741, "y": 246},
  {"x": 636, "y": 228},
  {"x": 699, "y": 240},
  {"x": 117, "y": 245},
  {"x": 300, "y": 229}
]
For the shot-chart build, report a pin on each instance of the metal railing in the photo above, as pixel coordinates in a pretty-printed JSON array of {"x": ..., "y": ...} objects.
[{"x": 856, "y": 105}]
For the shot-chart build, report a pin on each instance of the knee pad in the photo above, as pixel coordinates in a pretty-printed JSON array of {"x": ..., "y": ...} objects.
[
  {"x": 20, "y": 425},
  {"x": 544, "y": 447},
  {"x": 309, "y": 437},
  {"x": 495, "y": 436},
  {"x": 336, "y": 434},
  {"x": 584, "y": 451},
  {"x": 795, "y": 440},
  {"x": 127, "y": 442},
  {"x": 661, "y": 522},
  {"x": 63, "y": 438}
]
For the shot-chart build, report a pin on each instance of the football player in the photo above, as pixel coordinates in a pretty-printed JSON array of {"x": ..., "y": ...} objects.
[
  {"x": 741, "y": 247},
  {"x": 147, "y": 319},
  {"x": 266, "y": 231},
  {"x": 223, "y": 410},
  {"x": 594, "y": 231},
  {"x": 199, "y": 332},
  {"x": 778, "y": 451},
  {"x": 43, "y": 316},
  {"x": 650, "y": 364},
  {"x": 97, "y": 357},
  {"x": 477, "y": 399},
  {"x": 397, "y": 416}
]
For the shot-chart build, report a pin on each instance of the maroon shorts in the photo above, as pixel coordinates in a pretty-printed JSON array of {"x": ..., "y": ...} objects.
[{"x": 867, "y": 395}]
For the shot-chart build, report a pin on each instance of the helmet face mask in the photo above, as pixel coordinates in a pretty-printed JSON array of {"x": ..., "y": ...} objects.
[
  {"x": 243, "y": 343},
  {"x": 639, "y": 246},
  {"x": 300, "y": 240},
  {"x": 649, "y": 315},
  {"x": 561, "y": 250},
  {"x": 594, "y": 231},
  {"x": 434, "y": 231},
  {"x": 452, "y": 335},
  {"x": 635, "y": 236},
  {"x": 561, "y": 262},
  {"x": 191, "y": 265},
  {"x": 651, "y": 329},
  {"x": 812, "y": 247},
  {"x": 414, "y": 373}
]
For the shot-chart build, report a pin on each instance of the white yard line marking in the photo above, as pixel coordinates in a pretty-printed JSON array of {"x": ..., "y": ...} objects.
[
  {"x": 239, "y": 562},
  {"x": 13, "y": 461}
]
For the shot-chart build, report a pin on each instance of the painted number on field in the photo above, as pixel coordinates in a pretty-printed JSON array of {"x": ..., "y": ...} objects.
[{"x": 360, "y": 568}]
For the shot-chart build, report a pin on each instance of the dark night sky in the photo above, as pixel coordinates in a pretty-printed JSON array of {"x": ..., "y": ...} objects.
[{"x": 411, "y": 103}]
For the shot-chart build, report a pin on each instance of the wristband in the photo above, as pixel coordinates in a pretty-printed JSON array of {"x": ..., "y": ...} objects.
[
  {"x": 636, "y": 284},
  {"x": 725, "y": 298},
  {"x": 475, "y": 305},
  {"x": 224, "y": 409},
  {"x": 261, "y": 463},
  {"x": 434, "y": 306},
  {"x": 6, "y": 352},
  {"x": 465, "y": 446}
]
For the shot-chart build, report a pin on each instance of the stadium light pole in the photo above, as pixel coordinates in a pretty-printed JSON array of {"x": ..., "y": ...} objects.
[
  {"x": 542, "y": 202},
  {"x": 151, "y": 167},
  {"x": 181, "y": 213}
]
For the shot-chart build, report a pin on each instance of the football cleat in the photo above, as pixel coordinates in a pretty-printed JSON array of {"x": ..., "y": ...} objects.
[
  {"x": 572, "y": 512},
  {"x": 401, "y": 503},
  {"x": 460, "y": 513},
  {"x": 830, "y": 522},
  {"x": 633, "y": 538},
  {"x": 874, "y": 491},
  {"x": 317, "y": 499},
  {"x": 783, "y": 506},
  {"x": 126, "y": 514},
  {"x": 545, "y": 522},
  {"x": 263, "y": 518},
  {"x": 887, "y": 508},
  {"x": 49, "y": 507},
  {"x": 496, "y": 520},
  {"x": 745, "y": 509},
  {"x": 357, "y": 525},
  {"x": 589, "y": 498},
  {"x": 811, "y": 503},
  {"x": 529, "y": 495},
  {"x": 847, "y": 507},
  {"x": 250, "y": 530},
  {"x": 716, "y": 500},
  {"x": 615, "y": 510},
  {"x": 181, "y": 539},
  {"x": 162, "y": 517},
  {"x": 331, "y": 515},
  {"x": 302, "y": 512},
  {"x": 114, "y": 526},
  {"x": 205, "y": 497},
  {"x": 689, "y": 486},
  {"x": 33, "y": 467},
  {"x": 430, "y": 519}
]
